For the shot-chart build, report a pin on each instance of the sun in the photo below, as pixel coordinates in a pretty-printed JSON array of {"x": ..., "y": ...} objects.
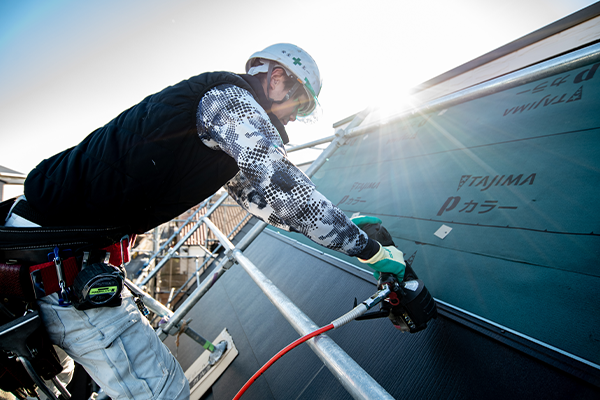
[{"x": 391, "y": 101}]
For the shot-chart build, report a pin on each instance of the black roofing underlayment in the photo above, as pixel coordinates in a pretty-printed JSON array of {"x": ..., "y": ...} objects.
[{"x": 449, "y": 360}]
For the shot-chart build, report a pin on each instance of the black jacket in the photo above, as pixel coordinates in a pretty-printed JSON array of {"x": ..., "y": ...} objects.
[{"x": 143, "y": 168}]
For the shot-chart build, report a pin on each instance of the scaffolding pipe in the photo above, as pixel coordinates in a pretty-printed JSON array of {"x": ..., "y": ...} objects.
[
  {"x": 311, "y": 144},
  {"x": 163, "y": 312},
  {"x": 201, "y": 290},
  {"x": 353, "y": 378},
  {"x": 197, "y": 274},
  {"x": 174, "y": 235},
  {"x": 558, "y": 65},
  {"x": 211, "y": 256},
  {"x": 196, "y": 295},
  {"x": 207, "y": 283},
  {"x": 143, "y": 281},
  {"x": 224, "y": 240}
]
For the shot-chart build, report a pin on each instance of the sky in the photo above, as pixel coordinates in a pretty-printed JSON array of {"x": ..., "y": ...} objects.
[{"x": 68, "y": 67}]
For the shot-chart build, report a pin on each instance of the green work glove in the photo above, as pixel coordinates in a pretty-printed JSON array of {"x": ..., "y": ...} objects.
[
  {"x": 363, "y": 220},
  {"x": 374, "y": 229},
  {"x": 388, "y": 259}
]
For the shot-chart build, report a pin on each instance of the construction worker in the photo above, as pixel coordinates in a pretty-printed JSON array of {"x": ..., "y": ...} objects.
[{"x": 158, "y": 159}]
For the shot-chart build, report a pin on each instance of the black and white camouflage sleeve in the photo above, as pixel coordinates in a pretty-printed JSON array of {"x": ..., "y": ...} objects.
[{"x": 268, "y": 185}]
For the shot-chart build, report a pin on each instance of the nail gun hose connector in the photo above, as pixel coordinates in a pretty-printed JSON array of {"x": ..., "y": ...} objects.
[
  {"x": 377, "y": 297},
  {"x": 362, "y": 307}
]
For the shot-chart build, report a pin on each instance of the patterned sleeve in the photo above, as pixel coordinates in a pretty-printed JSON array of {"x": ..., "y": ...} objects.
[{"x": 268, "y": 185}]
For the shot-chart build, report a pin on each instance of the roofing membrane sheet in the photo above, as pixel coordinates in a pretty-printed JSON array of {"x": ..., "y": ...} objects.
[
  {"x": 513, "y": 180},
  {"x": 448, "y": 360}
]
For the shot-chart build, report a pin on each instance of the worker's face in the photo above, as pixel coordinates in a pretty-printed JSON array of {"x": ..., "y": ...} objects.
[{"x": 287, "y": 110}]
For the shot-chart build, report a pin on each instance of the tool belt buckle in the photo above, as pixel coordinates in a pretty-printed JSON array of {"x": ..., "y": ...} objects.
[
  {"x": 64, "y": 293},
  {"x": 38, "y": 284},
  {"x": 124, "y": 244}
]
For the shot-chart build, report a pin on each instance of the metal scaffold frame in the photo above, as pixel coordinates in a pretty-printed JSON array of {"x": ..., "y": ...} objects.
[{"x": 354, "y": 379}]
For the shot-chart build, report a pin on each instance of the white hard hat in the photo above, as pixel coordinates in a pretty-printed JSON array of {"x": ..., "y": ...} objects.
[{"x": 298, "y": 63}]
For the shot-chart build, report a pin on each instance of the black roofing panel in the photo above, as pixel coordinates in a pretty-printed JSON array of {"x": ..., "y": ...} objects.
[{"x": 448, "y": 360}]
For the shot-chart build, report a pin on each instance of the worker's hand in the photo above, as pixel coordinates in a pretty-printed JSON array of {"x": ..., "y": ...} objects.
[{"x": 387, "y": 259}]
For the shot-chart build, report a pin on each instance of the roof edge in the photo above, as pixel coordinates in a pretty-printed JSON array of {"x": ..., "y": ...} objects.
[{"x": 561, "y": 25}]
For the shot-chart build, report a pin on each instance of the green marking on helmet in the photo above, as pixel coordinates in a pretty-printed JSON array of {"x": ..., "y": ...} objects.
[
  {"x": 297, "y": 61},
  {"x": 103, "y": 290},
  {"x": 311, "y": 91},
  {"x": 310, "y": 88}
]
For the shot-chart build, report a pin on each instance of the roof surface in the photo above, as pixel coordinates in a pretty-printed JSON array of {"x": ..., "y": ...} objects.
[
  {"x": 495, "y": 200},
  {"x": 515, "y": 176},
  {"x": 448, "y": 360}
]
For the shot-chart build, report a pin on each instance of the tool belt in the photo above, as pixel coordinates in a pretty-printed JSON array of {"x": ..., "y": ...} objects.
[
  {"x": 32, "y": 259},
  {"x": 36, "y": 262}
]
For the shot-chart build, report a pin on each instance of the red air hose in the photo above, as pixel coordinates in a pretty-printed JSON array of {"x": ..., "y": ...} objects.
[
  {"x": 343, "y": 320},
  {"x": 279, "y": 355}
]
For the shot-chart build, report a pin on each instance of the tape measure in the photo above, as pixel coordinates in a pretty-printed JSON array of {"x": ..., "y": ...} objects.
[{"x": 97, "y": 285}]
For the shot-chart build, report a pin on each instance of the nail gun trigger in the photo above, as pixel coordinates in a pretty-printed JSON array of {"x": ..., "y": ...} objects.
[{"x": 374, "y": 315}]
